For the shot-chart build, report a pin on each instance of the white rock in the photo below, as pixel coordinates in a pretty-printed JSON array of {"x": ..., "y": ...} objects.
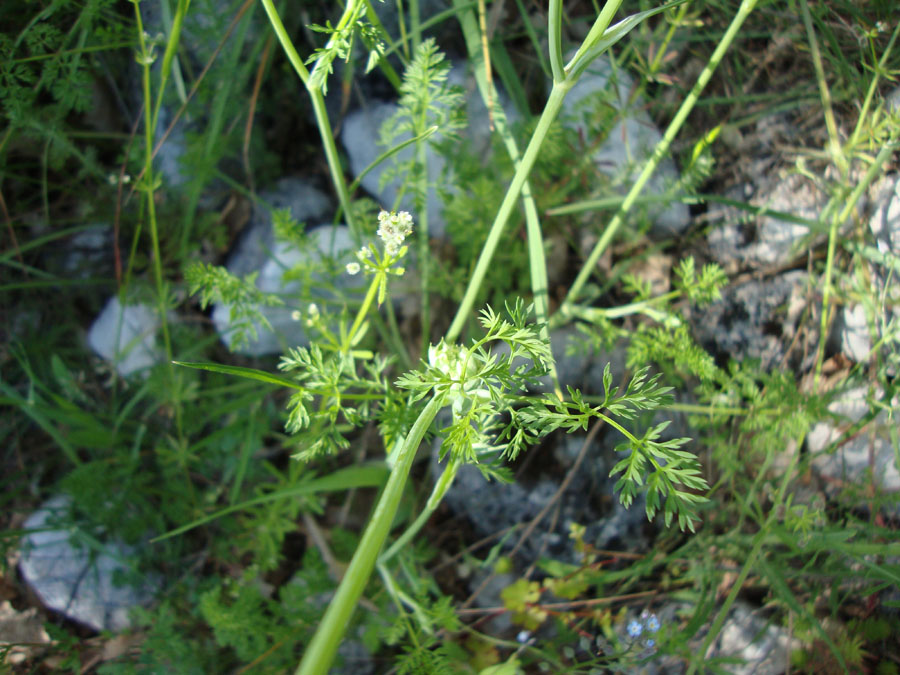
[
  {"x": 885, "y": 221},
  {"x": 329, "y": 240},
  {"x": 76, "y": 580},
  {"x": 306, "y": 204},
  {"x": 854, "y": 333},
  {"x": 869, "y": 448},
  {"x": 764, "y": 648},
  {"x": 126, "y": 336},
  {"x": 628, "y": 144},
  {"x": 893, "y": 100},
  {"x": 361, "y": 131},
  {"x": 776, "y": 238}
]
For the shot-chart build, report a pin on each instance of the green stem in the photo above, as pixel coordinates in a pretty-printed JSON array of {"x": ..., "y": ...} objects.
[
  {"x": 440, "y": 489},
  {"x": 168, "y": 57},
  {"x": 422, "y": 238},
  {"x": 554, "y": 103},
  {"x": 849, "y": 204},
  {"x": 363, "y": 310},
  {"x": 537, "y": 263},
  {"x": 321, "y": 114},
  {"x": 554, "y": 36},
  {"x": 161, "y": 293},
  {"x": 834, "y": 139},
  {"x": 321, "y": 650},
  {"x": 659, "y": 151}
]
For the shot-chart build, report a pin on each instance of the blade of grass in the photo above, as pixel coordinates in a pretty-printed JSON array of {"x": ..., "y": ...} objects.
[
  {"x": 343, "y": 479},
  {"x": 240, "y": 371}
]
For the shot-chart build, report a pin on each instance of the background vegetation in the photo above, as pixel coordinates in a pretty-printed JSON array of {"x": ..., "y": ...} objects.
[{"x": 89, "y": 90}]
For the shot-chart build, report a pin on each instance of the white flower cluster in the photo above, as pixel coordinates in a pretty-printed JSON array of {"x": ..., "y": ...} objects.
[{"x": 393, "y": 228}]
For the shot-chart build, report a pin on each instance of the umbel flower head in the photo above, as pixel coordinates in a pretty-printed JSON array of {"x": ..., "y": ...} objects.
[{"x": 393, "y": 228}]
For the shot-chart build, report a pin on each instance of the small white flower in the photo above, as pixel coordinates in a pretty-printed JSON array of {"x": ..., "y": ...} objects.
[
  {"x": 295, "y": 315},
  {"x": 364, "y": 253},
  {"x": 313, "y": 309},
  {"x": 393, "y": 228},
  {"x": 352, "y": 268}
]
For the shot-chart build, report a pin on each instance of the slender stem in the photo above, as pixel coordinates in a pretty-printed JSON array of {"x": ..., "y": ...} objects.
[
  {"x": 849, "y": 204},
  {"x": 168, "y": 57},
  {"x": 321, "y": 114},
  {"x": 758, "y": 541},
  {"x": 440, "y": 489},
  {"x": 674, "y": 25},
  {"x": 363, "y": 310},
  {"x": 537, "y": 263},
  {"x": 659, "y": 151},
  {"x": 554, "y": 103},
  {"x": 415, "y": 24},
  {"x": 554, "y": 35},
  {"x": 161, "y": 293},
  {"x": 834, "y": 139},
  {"x": 879, "y": 70},
  {"x": 321, "y": 650},
  {"x": 422, "y": 235}
]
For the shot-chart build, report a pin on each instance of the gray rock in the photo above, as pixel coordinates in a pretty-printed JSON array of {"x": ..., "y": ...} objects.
[
  {"x": 885, "y": 220},
  {"x": 589, "y": 500},
  {"x": 752, "y": 318},
  {"x": 765, "y": 648},
  {"x": 884, "y": 224},
  {"x": 490, "y": 595},
  {"x": 362, "y": 129},
  {"x": 330, "y": 241},
  {"x": 777, "y": 239},
  {"x": 871, "y": 448},
  {"x": 305, "y": 203},
  {"x": 95, "y": 587},
  {"x": 729, "y": 237},
  {"x": 893, "y": 100},
  {"x": 628, "y": 144},
  {"x": 126, "y": 336},
  {"x": 88, "y": 253},
  {"x": 853, "y": 333}
]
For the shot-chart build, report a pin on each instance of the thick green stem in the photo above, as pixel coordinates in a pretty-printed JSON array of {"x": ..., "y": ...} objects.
[{"x": 321, "y": 650}]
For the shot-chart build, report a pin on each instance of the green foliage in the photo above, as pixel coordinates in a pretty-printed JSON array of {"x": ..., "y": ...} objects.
[
  {"x": 193, "y": 452},
  {"x": 700, "y": 290},
  {"x": 426, "y": 100},
  {"x": 480, "y": 385},
  {"x": 217, "y": 285},
  {"x": 657, "y": 468},
  {"x": 341, "y": 43}
]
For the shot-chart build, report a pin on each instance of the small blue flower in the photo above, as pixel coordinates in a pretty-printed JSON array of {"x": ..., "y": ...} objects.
[
  {"x": 635, "y": 628},
  {"x": 651, "y": 623},
  {"x": 523, "y": 636},
  {"x": 650, "y": 643}
]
